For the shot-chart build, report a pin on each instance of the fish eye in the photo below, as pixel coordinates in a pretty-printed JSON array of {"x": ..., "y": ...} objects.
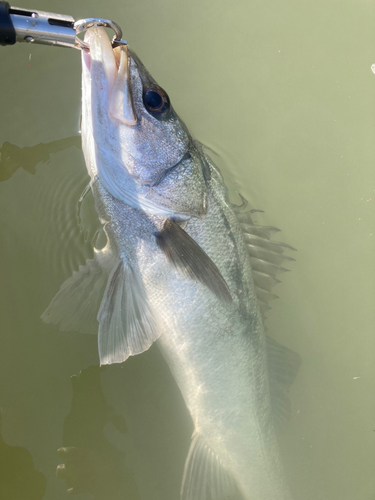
[{"x": 156, "y": 101}]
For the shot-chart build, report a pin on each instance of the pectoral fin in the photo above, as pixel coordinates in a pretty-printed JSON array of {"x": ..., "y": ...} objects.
[
  {"x": 127, "y": 326},
  {"x": 189, "y": 258}
]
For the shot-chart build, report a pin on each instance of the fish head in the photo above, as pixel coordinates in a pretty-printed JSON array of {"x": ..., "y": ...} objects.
[{"x": 131, "y": 134}]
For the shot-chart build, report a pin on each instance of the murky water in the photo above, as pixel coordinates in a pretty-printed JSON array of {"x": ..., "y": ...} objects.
[{"x": 284, "y": 94}]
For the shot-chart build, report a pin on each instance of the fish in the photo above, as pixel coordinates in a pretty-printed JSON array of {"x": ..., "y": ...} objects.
[{"x": 185, "y": 268}]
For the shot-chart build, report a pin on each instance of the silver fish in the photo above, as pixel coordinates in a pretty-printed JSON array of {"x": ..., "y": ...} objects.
[{"x": 185, "y": 267}]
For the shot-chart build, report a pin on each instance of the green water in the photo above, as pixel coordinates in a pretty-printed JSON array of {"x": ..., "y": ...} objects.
[{"x": 284, "y": 94}]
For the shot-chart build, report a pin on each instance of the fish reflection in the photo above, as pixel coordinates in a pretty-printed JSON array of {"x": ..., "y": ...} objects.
[
  {"x": 18, "y": 478},
  {"x": 13, "y": 157},
  {"x": 92, "y": 464}
]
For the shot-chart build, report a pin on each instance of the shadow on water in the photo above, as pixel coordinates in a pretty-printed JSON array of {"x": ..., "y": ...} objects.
[
  {"x": 18, "y": 478},
  {"x": 13, "y": 157},
  {"x": 53, "y": 198},
  {"x": 92, "y": 464}
]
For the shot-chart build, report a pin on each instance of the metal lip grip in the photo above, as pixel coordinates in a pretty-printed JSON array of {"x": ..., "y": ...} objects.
[
  {"x": 23, "y": 25},
  {"x": 7, "y": 31}
]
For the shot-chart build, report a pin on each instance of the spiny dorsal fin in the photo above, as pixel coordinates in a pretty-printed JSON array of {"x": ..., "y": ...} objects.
[
  {"x": 189, "y": 258},
  {"x": 266, "y": 256}
]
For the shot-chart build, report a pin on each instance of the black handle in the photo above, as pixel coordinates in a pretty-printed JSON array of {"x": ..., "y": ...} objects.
[{"x": 7, "y": 31}]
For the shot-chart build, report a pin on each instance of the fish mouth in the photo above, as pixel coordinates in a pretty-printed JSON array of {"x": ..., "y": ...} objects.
[{"x": 109, "y": 70}]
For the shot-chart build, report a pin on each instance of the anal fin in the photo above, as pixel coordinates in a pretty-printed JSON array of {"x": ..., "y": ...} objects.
[{"x": 205, "y": 476}]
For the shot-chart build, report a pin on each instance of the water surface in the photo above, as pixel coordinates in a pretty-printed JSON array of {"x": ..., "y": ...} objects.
[{"x": 284, "y": 94}]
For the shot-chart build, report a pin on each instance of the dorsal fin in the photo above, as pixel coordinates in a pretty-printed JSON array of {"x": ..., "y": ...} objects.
[
  {"x": 267, "y": 259},
  {"x": 266, "y": 256},
  {"x": 283, "y": 365}
]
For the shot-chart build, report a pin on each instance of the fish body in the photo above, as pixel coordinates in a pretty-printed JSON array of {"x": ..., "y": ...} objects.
[{"x": 177, "y": 269}]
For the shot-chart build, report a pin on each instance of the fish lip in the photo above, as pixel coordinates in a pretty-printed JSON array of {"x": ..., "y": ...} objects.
[
  {"x": 87, "y": 58},
  {"x": 100, "y": 50},
  {"x": 113, "y": 73}
]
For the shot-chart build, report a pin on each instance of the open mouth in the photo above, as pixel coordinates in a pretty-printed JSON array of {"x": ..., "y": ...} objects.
[{"x": 110, "y": 69}]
